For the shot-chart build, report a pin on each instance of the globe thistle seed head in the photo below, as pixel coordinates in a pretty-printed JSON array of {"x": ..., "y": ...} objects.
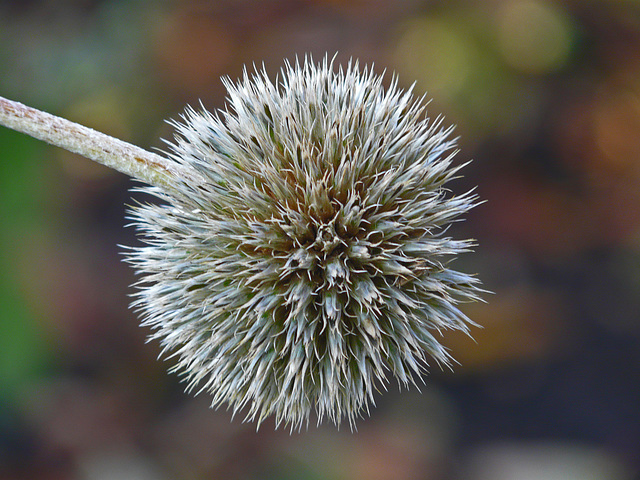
[{"x": 311, "y": 261}]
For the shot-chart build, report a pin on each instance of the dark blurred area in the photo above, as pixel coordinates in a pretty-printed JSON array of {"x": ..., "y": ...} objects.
[{"x": 546, "y": 98}]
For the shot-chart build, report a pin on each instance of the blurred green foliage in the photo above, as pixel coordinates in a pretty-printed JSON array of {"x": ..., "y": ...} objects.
[{"x": 23, "y": 348}]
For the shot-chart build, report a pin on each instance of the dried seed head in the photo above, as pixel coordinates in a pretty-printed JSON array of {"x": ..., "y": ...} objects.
[{"x": 311, "y": 258}]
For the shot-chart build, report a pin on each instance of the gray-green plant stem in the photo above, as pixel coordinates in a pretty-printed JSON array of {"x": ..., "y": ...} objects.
[{"x": 136, "y": 162}]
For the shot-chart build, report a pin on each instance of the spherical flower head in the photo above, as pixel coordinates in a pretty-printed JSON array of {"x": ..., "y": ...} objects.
[{"x": 310, "y": 260}]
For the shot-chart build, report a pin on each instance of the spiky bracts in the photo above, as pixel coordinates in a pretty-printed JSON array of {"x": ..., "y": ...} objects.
[{"x": 311, "y": 259}]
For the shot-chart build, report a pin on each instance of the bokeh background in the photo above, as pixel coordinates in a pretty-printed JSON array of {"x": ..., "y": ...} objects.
[{"x": 546, "y": 98}]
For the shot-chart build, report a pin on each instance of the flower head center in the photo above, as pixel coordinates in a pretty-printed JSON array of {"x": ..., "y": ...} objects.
[{"x": 326, "y": 238}]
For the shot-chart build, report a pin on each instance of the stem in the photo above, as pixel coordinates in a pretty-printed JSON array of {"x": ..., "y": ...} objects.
[{"x": 121, "y": 156}]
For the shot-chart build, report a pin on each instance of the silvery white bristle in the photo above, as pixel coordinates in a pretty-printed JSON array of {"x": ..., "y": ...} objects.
[{"x": 311, "y": 261}]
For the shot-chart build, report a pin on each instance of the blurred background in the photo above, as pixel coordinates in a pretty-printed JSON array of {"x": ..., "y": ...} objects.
[{"x": 546, "y": 98}]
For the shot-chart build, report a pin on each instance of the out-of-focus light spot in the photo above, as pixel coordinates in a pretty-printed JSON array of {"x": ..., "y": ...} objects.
[
  {"x": 617, "y": 129},
  {"x": 192, "y": 49},
  {"x": 435, "y": 53},
  {"x": 551, "y": 461},
  {"x": 519, "y": 326},
  {"x": 534, "y": 36}
]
